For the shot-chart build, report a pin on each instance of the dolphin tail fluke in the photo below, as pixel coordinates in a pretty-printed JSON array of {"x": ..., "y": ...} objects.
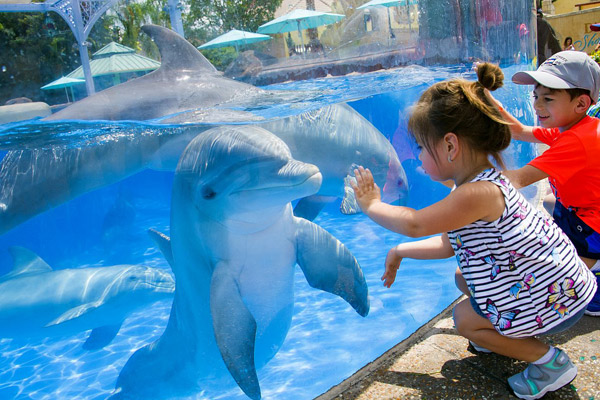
[
  {"x": 101, "y": 336},
  {"x": 235, "y": 332},
  {"x": 329, "y": 265}
]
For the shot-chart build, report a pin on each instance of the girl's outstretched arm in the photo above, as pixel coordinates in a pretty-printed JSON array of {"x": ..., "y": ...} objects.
[
  {"x": 469, "y": 202},
  {"x": 433, "y": 248}
]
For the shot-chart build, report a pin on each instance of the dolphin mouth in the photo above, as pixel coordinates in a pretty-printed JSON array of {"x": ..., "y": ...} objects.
[
  {"x": 314, "y": 180},
  {"x": 161, "y": 287}
]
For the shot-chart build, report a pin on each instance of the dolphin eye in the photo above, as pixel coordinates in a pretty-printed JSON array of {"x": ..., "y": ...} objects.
[{"x": 208, "y": 193}]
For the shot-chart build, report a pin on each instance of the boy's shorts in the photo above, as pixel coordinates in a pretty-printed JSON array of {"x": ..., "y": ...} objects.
[{"x": 585, "y": 239}]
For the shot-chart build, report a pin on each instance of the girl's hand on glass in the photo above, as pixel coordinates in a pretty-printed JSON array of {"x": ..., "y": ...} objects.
[
  {"x": 392, "y": 263},
  {"x": 366, "y": 190}
]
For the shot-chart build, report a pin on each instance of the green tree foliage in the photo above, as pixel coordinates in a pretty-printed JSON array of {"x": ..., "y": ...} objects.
[
  {"x": 127, "y": 18},
  {"x": 35, "y": 49},
  {"x": 225, "y": 15},
  {"x": 209, "y": 18}
]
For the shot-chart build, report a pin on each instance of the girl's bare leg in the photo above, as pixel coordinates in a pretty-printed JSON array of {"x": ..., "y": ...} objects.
[
  {"x": 461, "y": 284},
  {"x": 480, "y": 330}
]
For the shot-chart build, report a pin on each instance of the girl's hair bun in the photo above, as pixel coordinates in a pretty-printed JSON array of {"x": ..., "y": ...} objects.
[{"x": 490, "y": 76}]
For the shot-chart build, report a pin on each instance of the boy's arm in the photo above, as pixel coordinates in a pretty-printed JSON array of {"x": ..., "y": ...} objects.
[
  {"x": 524, "y": 176},
  {"x": 436, "y": 247},
  {"x": 517, "y": 129}
]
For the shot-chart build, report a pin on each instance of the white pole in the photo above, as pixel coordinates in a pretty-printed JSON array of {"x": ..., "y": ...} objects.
[{"x": 301, "y": 39}]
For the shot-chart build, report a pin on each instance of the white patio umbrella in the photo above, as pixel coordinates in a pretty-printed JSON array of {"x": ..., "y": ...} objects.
[
  {"x": 299, "y": 20},
  {"x": 234, "y": 38},
  {"x": 382, "y": 3},
  {"x": 63, "y": 82}
]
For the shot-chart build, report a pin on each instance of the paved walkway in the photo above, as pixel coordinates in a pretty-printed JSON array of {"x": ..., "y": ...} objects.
[{"x": 434, "y": 363}]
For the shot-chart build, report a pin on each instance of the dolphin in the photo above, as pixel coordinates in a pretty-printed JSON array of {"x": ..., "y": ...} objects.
[
  {"x": 185, "y": 80},
  {"x": 233, "y": 247},
  {"x": 37, "y": 301},
  {"x": 334, "y": 138}
]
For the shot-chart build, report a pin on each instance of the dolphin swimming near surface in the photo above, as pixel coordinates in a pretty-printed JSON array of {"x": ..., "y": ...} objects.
[
  {"x": 37, "y": 301},
  {"x": 233, "y": 247},
  {"x": 185, "y": 80}
]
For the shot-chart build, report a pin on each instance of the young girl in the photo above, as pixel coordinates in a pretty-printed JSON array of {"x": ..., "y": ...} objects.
[{"x": 521, "y": 274}]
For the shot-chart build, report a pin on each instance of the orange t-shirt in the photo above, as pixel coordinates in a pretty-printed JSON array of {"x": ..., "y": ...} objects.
[{"x": 573, "y": 165}]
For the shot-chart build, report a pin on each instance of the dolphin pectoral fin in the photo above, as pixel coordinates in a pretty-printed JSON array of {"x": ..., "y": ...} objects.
[
  {"x": 329, "y": 265},
  {"x": 235, "y": 332},
  {"x": 309, "y": 207},
  {"x": 349, "y": 204},
  {"x": 101, "y": 336},
  {"x": 75, "y": 312},
  {"x": 164, "y": 244}
]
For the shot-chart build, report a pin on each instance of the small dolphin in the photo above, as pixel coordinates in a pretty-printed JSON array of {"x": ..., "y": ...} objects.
[
  {"x": 234, "y": 245},
  {"x": 37, "y": 301}
]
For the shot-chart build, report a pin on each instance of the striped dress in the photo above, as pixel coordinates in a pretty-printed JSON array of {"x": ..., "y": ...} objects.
[{"x": 522, "y": 270}]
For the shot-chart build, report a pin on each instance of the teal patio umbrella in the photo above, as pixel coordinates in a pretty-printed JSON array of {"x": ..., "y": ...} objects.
[
  {"x": 64, "y": 82},
  {"x": 234, "y": 38},
  {"x": 299, "y": 20}
]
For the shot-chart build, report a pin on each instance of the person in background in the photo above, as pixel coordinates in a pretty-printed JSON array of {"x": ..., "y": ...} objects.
[
  {"x": 547, "y": 43},
  {"x": 565, "y": 86},
  {"x": 521, "y": 274},
  {"x": 568, "y": 44}
]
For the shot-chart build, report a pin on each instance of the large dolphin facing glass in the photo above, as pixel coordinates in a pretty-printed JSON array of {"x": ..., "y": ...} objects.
[{"x": 233, "y": 247}]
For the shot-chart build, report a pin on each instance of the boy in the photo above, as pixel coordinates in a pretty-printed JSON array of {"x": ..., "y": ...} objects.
[{"x": 566, "y": 85}]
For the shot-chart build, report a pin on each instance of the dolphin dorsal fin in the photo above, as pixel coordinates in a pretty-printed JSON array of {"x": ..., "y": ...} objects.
[
  {"x": 164, "y": 245},
  {"x": 26, "y": 261},
  {"x": 176, "y": 52}
]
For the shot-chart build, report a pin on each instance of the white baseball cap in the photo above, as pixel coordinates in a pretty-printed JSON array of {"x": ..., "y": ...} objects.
[{"x": 565, "y": 70}]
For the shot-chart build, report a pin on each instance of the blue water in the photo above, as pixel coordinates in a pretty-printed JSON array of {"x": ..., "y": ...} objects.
[{"x": 327, "y": 341}]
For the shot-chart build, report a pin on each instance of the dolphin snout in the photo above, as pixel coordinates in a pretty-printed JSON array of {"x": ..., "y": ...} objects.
[
  {"x": 161, "y": 282},
  {"x": 298, "y": 171},
  {"x": 396, "y": 185}
]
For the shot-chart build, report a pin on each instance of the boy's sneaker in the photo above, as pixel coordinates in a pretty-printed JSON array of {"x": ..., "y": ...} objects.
[
  {"x": 593, "y": 308},
  {"x": 537, "y": 380}
]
